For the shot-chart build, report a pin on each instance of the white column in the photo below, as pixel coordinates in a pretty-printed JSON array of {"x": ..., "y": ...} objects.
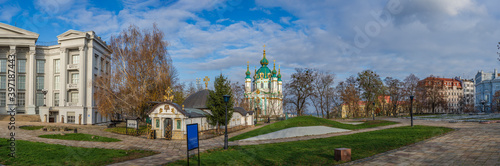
[
  {"x": 90, "y": 77},
  {"x": 31, "y": 82},
  {"x": 81, "y": 74},
  {"x": 63, "y": 93}
]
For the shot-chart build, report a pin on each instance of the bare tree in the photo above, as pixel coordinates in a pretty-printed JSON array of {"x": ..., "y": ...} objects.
[
  {"x": 238, "y": 93},
  {"x": 350, "y": 94},
  {"x": 395, "y": 91},
  {"x": 179, "y": 93},
  {"x": 371, "y": 86},
  {"x": 300, "y": 89},
  {"x": 141, "y": 71},
  {"x": 409, "y": 88},
  {"x": 496, "y": 102},
  {"x": 191, "y": 89},
  {"x": 323, "y": 90},
  {"x": 433, "y": 93}
]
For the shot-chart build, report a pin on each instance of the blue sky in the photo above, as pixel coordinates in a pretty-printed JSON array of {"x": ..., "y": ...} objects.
[{"x": 446, "y": 38}]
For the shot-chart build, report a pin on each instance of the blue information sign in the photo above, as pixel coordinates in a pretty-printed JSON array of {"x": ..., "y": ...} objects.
[{"x": 192, "y": 136}]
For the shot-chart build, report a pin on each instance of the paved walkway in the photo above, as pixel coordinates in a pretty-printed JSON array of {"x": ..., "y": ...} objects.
[
  {"x": 471, "y": 144},
  {"x": 170, "y": 150}
]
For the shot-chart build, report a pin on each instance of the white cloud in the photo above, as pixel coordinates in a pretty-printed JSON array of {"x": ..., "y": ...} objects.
[
  {"x": 55, "y": 6},
  {"x": 8, "y": 11},
  {"x": 445, "y": 38}
]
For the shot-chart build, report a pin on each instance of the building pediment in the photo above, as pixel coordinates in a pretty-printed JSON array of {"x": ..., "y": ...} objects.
[
  {"x": 8, "y": 31},
  {"x": 71, "y": 34}
]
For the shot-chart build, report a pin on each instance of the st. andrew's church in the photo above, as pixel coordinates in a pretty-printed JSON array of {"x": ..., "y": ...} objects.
[{"x": 264, "y": 93}]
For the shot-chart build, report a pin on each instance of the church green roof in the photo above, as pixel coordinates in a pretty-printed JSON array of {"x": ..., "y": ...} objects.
[
  {"x": 265, "y": 72},
  {"x": 248, "y": 72}
]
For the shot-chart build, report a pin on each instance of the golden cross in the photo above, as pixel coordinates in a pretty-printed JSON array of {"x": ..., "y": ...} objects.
[
  {"x": 206, "y": 79},
  {"x": 170, "y": 95},
  {"x": 264, "y": 46}
]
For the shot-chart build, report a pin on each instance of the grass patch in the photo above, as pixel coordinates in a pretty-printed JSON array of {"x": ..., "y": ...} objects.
[
  {"x": 130, "y": 131},
  {"x": 308, "y": 121},
  {"x": 31, "y": 127},
  {"x": 80, "y": 137},
  {"x": 36, "y": 153},
  {"x": 492, "y": 119},
  {"x": 318, "y": 151}
]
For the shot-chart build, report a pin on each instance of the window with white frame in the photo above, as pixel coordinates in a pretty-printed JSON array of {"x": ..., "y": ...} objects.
[
  {"x": 71, "y": 117},
  {"x": 74, "y": 78},
  {"x": 2, "y": 99},
  {"x": 39, "y": 99},
  {"x": 56, "y": 99},
  {"x": 40, "y": 66},
  {"x": 56, "y": 82},
  {"x": 3, "y": 65},
  {"x": 39, "y": 82},
  {"x": 21, "y": 82},
  {"x": 107, "y": 67},
  {"x": 74, "y": 97},
  {"x": 57, "y": 65},
  {"x": 75, "y": 59},
  {"x": 3, "y": 82},
  {"x": 21, "y": 66},
  {"x": 20, "y": 99}
]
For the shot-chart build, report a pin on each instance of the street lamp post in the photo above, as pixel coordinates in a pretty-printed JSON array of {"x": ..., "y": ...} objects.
[
  {"x": 373, "y": 111},
  {"x": 411, "y": 109},
  {"x": 226, "y": 99},
  {"x": 44, "y": 91}
]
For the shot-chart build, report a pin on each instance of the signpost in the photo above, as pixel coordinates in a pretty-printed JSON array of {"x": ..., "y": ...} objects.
[
  {"x": 132, "y": 123},
  {"x": 192, "y": 140}
]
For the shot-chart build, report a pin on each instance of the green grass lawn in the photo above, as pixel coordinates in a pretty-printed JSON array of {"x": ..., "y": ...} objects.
[
  {"x": 318, "y": 151},
  {"x": 308, "y": 121},
  {"x": 80, "y": 137},
  {"x": 121, "y": 130},
  {"x": 31, "y": 127},
  {"x": 36, "y": 153}
]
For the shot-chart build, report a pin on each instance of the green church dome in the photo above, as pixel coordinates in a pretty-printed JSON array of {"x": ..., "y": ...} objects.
[
  {"x": 279, "y": 73},
  {"x": 274, "y": 69},
  {"x": 264, "y": 61},
  {"x": 248, "y": 72}
]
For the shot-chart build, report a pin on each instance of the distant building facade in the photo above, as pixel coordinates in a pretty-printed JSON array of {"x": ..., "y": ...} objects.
[
  {"x": 65, "y": 72},
  {"x": 452, "y": 91},
  {"x": 486, "y": 85},
  {"x": 469, "y": 93}
]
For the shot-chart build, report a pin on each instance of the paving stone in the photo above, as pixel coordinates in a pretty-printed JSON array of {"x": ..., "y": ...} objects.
[{"x": 471, "y": 144}]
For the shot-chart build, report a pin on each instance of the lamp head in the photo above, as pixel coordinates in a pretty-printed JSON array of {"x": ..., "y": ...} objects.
[
  {"x": 226, "y": 98},
  {"x": 411, "y": 97}
]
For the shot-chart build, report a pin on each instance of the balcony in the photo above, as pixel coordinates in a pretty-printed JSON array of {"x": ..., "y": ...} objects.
[
  {"x": 72, "y": 104},
  {"x": 72, "y": 86},
  {"x": 72, "y": 67}
]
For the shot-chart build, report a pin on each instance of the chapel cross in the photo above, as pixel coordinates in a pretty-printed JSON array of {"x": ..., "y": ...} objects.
[
  {"x": 206, "y": 79},
  {"x": 169, "y": 96}
]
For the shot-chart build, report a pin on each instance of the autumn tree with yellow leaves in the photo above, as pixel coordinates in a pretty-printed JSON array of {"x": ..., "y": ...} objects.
[{"x": 141, "y": 72}]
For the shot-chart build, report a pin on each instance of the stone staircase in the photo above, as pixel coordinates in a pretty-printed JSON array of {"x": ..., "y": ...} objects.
[{"x": 24, "y": 118}]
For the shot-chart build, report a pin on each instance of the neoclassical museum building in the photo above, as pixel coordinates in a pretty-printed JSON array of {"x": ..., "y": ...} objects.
[
  {"x": 264, "y": 93},
  {"x": 59, "y": 76}
]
